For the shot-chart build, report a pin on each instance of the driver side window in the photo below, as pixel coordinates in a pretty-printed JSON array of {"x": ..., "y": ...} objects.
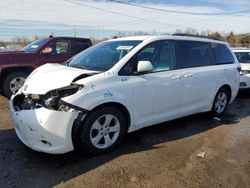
[
  {"x": 59, "y": 47},
  {"x": 160, "y": 54}
]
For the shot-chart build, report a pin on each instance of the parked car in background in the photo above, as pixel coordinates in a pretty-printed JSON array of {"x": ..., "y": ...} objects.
[
  {"x": 120, "y": 86},
  {"x": 243, "y": 56},
  {"x": 15, "y": 66}
]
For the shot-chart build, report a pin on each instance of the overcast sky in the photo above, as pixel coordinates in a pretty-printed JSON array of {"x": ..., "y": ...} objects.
[{"x": 104, "y": 18}]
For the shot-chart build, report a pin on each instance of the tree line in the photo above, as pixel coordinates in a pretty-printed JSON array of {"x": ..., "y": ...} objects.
[{"x": 242, "y": 40}]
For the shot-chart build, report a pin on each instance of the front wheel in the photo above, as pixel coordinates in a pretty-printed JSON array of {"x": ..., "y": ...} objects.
[
  {"x": 220, "y": 102},
  {"x": 13, "y": 82},
  {"x": 102, "y": 131}
]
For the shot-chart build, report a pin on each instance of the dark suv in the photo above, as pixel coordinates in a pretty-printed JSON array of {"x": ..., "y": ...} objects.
[{"x": 15, "y": 66}]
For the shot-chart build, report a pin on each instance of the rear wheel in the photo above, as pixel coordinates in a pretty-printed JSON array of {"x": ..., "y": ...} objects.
[
  {"x": 102, "y": 131},
  {"x": 13, "y": 82},
  {"x": 220, "y": 102}
]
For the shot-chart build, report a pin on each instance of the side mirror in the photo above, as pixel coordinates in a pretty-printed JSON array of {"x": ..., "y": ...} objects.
[
  {"x": 144, "y": 66},
  {"x": 47, "y": 50}
]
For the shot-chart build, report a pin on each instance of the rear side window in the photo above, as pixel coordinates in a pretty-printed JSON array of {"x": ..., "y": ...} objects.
[
  {"x": 222, "y": 54},
  {"x": 193, "y": 54},
  {"x": 79, "y": 46}
]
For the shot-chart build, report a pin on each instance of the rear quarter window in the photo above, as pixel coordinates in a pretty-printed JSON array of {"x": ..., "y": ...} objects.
[
  {"x": 79, "y": 46},
  {"x": 222, "y": 54}
]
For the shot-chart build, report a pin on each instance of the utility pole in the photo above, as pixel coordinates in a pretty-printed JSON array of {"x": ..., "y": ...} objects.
[
  {"x": 101, "y": 32},
  {"x": 74, "y": 29}
]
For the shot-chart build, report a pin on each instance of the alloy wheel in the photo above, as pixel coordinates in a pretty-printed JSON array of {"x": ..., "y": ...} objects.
[
  {"x": 221, "y": 102},
  {"x": 16, "y": 84},
  {"x": 105, "y": 131}
]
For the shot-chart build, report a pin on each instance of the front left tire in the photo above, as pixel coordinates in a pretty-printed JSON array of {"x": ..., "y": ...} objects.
[{"x": 102, "y": 131}]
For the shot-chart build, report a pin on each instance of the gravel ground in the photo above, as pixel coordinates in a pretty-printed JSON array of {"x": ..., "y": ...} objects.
[{"x": 159, "y": 156}]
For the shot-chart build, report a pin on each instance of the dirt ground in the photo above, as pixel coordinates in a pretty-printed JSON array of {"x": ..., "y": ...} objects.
[{"x": 159, "y": 156}]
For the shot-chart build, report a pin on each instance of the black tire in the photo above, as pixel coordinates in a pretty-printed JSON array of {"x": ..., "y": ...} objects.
[
  {"x": 85, "y": 144},
  {"x": 7, "y": 81},
  {"x": 215, "y": 112}
]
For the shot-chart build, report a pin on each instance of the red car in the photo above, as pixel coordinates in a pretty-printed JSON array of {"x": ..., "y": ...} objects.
[{"x": 15, "y": 66}]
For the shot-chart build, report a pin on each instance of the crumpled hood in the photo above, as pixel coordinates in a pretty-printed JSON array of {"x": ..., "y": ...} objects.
[{"x": 51, "y": 76}]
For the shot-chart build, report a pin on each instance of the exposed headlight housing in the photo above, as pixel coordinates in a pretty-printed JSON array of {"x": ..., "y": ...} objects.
[
  {"x": 52, "y": 98},
  {"x": 62, "y": 106}
]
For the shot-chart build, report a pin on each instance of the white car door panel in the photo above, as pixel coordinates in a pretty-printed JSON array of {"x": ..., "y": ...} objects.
[
  {"x": 142, "y": 99},
  {"x": 199, "y": 85},
  {"x": 167, "y": 95},
  {"x": 199, "y": 76}
]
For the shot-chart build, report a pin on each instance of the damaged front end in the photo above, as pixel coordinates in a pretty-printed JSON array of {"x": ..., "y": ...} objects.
[
  {"x": 45, "y": 122},
  {"x": 51, "y": 100}
]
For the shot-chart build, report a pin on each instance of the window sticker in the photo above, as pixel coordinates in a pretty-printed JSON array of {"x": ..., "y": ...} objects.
[
  {"x": 124, "y": 47},
  {"x": 34, "y": 46}
]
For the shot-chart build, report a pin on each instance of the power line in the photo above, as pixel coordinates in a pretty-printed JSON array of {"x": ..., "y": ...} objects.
[
  {"x": 180, "y": 12},
  {"x": 121, "y": 14}
]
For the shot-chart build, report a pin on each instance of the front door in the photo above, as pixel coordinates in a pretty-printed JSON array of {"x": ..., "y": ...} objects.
[{"x": 156, "y": 94}]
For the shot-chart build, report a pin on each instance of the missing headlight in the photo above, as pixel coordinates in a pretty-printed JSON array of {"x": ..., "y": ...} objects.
[
  {"x": 26, "y": 102},
  {"x": 64, "y": 107},
  {"x": 51, "y": 100}
]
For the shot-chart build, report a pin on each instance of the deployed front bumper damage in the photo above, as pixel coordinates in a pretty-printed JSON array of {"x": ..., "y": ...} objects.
[{"x": 43, "y": 129}]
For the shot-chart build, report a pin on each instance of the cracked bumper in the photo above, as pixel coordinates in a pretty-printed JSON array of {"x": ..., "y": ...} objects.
[{"x": 44, "y": 130}]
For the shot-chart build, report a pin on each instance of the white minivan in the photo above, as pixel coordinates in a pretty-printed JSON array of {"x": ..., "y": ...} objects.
[{"x": 120, "y": 86}]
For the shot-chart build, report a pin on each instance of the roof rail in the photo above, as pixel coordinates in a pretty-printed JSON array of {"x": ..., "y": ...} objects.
[{"x": 189, "y": 35}]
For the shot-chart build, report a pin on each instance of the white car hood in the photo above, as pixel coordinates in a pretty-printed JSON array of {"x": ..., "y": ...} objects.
[{"x": 51, "y": 76}]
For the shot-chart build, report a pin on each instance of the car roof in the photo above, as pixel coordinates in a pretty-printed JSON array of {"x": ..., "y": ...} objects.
[
  {"x": 167, "y": 37},
  {"x": 71, "y": 38}
]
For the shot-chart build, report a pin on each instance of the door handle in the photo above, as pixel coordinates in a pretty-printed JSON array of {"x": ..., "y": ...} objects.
[
  {"x": 176, "y": 77},
  {"x": 188, "y": 75}
]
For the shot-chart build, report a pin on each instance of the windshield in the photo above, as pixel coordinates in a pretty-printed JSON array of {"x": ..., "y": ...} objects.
[
  {"x": 103, "y": 56},
  {"x": 243, "y": 57},
  {"x": 34, "y": 45}
]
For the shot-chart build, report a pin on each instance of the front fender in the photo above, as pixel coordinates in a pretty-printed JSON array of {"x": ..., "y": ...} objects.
[{"x": 91, "y": 100}]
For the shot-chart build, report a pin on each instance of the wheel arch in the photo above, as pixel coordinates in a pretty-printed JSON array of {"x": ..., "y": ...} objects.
[
  {"x": 8, "y": 70},
  {"x": 120, "y": 107},
  {"x": 228, "y": 88},
  {"x": 76, "y": 128}
]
